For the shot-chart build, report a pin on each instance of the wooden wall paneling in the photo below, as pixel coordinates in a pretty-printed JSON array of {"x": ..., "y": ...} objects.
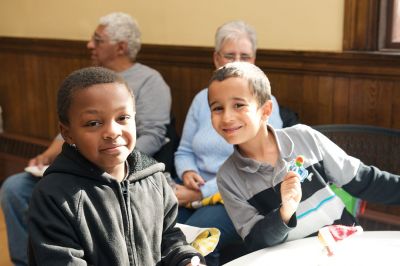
[
  {"x": 14, "y": 106},
  {"x": 321, "y": 87},
  {"x": 325, "y": 92},
  {"x": 395, "y": 118},
  {"x": 360, "y": 29},
  {"x": 287, "y": 90},
  {"x": 32, "y": 70},
  {"x": 310, "y": 100},
  {"x": 370, "y": 102},
  {"x": 341, "y": 104},
  {"x": 384, "y": 110}
]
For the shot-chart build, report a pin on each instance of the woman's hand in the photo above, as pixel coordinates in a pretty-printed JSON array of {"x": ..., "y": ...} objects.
[
  {"x": 291, "y": 195},
  {"x": 186, "y": 195},
  {"x": 40, "y": 160},
  {"x": 192, "y": 180},
  {"x": 48, "y": 156}
]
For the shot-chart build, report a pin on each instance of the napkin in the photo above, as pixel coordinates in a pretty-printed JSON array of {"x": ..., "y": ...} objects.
[
  {"x": 204, "y": 240},
  {"x": 36, "y": 171}
]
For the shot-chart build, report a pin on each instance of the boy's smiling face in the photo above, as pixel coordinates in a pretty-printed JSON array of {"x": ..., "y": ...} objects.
[
  {"x": 235, "y": 113},
  {"x": 102, "y": 125}
]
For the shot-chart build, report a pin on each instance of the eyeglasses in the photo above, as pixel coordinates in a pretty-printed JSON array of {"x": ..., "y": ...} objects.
[
  {"x": 97, "y": 40},
  {"x": 236, "y": 57}
]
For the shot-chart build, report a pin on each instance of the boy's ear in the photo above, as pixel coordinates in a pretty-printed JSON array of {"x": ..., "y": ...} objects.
[
  {"x": 64, "y": 130},
  {"x": 267, "y": 109}
]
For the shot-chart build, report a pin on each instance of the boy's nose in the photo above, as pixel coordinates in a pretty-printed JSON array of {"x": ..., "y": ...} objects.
[
  {"x": 226, "y": 115},
  {"x": 112, "y": 130}
]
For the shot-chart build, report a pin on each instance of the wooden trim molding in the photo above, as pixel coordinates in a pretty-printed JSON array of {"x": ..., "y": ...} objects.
[
  {"x": 384, "y": 65},
  {"x": 381, "y": 217},
  {"x": 322, "y": 87},
  {"x": 301, "y": 62},
  {"x": 44, "y": 47},
  {"x": 361, "y": 21},
  {"x": 331, "y": 63}
]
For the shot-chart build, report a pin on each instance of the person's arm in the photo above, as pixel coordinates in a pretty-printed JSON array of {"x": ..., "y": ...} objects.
[
  {"x": 48, "y": 156},
  {"x": 256, "y": 229},
  {"x": 275, "y": 119},
  {"x": 153, "y": 110},
  {"x": 185, "y": 158},
  {"x": 186, "y": 195},
  {"x": 290, "y": 195},
  {"x": 174, "y": 248},
  {"x": 374, "y": 185},
  {"x": 366, "y": 182}
]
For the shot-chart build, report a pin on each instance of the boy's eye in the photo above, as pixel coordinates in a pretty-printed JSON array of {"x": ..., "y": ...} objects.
[
  {"x": 124, "y": 118},
  {"x": 238, "y": 105},
  {"x": 93, "y": 123},
  {"x": 216, "y": 109}
]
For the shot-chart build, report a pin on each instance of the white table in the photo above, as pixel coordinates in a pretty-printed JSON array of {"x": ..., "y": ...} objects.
[{"x": 369, "y": 248}]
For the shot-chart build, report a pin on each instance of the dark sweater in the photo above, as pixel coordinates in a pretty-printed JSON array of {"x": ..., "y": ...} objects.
[{"x": 79, "y": 215}]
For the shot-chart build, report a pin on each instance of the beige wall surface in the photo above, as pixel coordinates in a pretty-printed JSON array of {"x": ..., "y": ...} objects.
[{"x": 285, "y": 24}]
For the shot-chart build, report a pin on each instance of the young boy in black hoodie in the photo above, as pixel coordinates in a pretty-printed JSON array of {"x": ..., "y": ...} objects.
[{"x": 101, "y": 202}]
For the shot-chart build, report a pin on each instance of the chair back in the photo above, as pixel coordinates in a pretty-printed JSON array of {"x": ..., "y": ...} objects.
[{"x": 373, "y": 146}]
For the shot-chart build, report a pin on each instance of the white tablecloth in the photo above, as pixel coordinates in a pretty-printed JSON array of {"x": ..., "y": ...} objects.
[{"x": 376, "y": 248}]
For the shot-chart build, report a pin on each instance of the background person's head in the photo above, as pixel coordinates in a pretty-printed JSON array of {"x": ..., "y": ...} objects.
[
  {"x": 116, "y": 38},
  {"x": 235, "y": 41}
]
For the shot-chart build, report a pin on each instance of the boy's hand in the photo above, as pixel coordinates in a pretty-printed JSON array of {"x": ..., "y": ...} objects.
[
  {"x": 192, "y": 180},
  {"x": 186, "y": 195},
  {"x": 291, "y": 195}
]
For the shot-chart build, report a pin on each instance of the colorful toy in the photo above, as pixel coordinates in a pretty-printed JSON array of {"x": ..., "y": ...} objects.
[
  {"x": 211, "y": 200},
  {"x": 297, "y": 166}
]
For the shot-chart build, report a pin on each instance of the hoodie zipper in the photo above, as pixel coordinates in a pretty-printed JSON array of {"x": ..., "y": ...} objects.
[{"x": 129, "y": 231}]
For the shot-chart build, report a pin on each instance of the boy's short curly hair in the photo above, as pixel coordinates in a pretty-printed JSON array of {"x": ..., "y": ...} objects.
[
  {"x": 258, "y": 82},
  {"x": 82, "y": 79}
]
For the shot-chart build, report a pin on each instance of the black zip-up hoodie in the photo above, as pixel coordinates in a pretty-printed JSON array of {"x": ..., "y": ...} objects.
[{"x": 79, "y": 215}]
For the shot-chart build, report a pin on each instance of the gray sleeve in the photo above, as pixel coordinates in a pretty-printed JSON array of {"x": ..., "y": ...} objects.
[
  {"x": 339, "y": 167},
  {"x": 257, "y": 230},
  {"x": 153, "y": 108},
  {"x": 174, "y": 248}
]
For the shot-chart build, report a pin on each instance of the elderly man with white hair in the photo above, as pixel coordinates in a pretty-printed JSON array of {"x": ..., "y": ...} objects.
[{"x": 114, "y": 45}]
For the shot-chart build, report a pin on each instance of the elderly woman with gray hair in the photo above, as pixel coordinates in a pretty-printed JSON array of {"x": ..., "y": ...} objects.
[{"x": 202, "y": 151}]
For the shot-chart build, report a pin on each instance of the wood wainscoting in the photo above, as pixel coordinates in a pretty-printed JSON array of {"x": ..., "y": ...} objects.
[{"x": 322, "y": 87}]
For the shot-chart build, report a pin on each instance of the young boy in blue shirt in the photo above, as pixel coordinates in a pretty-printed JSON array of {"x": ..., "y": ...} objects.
[
  {"x": 101, "y": 202},
  {"x": 267, "y": 202}
]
